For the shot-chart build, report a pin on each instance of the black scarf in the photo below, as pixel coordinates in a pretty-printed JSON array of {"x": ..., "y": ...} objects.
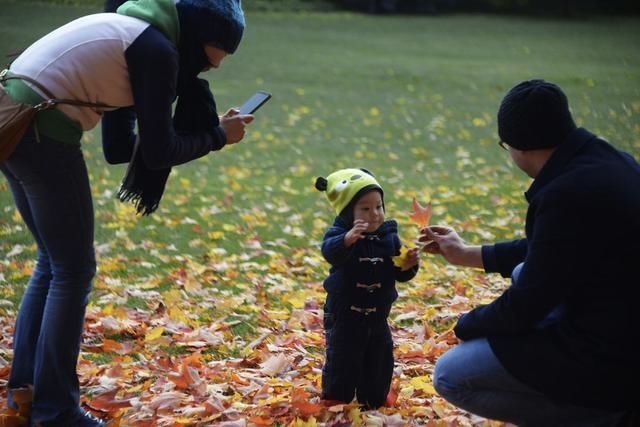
[{"x": 195, "y": 111}]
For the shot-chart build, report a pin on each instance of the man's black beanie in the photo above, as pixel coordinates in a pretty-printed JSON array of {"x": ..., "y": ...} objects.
[{"x": 534, "y": 114}]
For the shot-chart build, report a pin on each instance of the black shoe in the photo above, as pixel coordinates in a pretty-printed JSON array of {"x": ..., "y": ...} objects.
[
  {"x": 87, "y": 419},
  {"x": 81, "y": 418}
]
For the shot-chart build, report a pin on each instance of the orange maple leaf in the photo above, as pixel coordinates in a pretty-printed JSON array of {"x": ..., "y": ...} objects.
[
  {"x": 111, "y": 346},
  {"x": 421, "y": 214},
  {"x": 261, "y": 421},
  {"x": 300, "y": 401}
]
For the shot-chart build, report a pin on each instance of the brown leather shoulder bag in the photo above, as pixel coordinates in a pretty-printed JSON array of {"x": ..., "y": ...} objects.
[{"x": 16, "y": 117}]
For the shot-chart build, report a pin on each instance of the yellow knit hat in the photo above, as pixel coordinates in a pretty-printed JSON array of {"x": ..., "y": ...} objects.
[{"x": 344, "y": 185}]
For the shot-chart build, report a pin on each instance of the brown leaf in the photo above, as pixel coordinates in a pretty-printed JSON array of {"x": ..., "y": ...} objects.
[{"x": 107, "y": 402}]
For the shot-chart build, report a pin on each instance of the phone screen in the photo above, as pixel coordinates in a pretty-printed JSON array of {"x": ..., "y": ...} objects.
[{"x": 255, "y": 102}]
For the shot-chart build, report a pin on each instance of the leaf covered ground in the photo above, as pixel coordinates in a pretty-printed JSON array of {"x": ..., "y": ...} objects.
[
  {"x": 238, "y": 340},
  {"x": 209, "y": 311}
]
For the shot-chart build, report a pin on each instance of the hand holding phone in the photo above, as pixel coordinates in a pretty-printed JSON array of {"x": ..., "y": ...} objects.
[{"x": 255, "y": 102}]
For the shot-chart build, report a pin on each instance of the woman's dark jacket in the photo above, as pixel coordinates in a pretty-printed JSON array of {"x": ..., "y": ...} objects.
[{"x": 582, "y": 250}]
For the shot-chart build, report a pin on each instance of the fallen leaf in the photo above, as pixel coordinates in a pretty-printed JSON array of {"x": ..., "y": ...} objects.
[
  {"x": 300, "y": 401},
  {"x": 154, "y": 334}
]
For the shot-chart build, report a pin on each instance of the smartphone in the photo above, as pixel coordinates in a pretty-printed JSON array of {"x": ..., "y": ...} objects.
[{"x": 255, "y": 102}]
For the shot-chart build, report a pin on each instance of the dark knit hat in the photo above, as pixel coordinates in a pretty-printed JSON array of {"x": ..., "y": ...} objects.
[
  {"x": 534, "y": 114},
  {"x": 216, "y": 22}
]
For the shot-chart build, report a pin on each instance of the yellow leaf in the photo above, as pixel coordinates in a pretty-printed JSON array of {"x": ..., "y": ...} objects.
[
  {"x": 295, "y": 301},
  {"x": 311, "y": 422},
  {"x": 172, "y": 296},
  {"x": 216, "y": 235},
  {"x": 423, "y": 383},
  {"x": 479, "y": 122},
  {"x": 402, "y": 261},
  {"x": 154, "y": 334},
  {"x": 178, "y": 315},
  {"x": 107, "y": 310},
  {"x": 355, "y": 416}
]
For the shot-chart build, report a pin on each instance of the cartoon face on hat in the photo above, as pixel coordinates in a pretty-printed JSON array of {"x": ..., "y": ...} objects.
[{"x": 344, "y": 185}]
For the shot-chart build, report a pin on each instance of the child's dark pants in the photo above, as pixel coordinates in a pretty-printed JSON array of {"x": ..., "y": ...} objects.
[{"x": 359, "y": 357}]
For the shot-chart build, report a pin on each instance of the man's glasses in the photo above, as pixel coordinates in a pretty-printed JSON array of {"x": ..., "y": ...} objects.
[{"x": 503, "y": 145}]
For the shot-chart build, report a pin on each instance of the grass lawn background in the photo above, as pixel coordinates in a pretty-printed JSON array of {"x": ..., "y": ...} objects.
[{"x": 413, "y": 99}]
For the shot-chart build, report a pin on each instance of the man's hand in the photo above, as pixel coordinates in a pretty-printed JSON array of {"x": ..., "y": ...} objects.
[
  {"x": 356, "y": 233},
  {"x": 446, "y": 242},
  {"x": 233, "y": 124}
]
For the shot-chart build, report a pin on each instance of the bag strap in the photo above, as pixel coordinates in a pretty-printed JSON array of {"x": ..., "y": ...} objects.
[{"x": 4, "y": 75}]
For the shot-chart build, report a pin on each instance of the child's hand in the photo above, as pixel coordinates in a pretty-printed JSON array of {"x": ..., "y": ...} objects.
[
  {"x": 356, "y": 233},
  {"x": 413, "y": 258}
]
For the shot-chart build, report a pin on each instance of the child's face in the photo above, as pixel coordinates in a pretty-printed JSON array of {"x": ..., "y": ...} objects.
[{"x": 369, "y": 209}]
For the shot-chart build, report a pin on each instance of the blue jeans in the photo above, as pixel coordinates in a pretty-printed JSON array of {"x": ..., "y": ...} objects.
[
  {"x": 50, "y": 186},
  {"x": 470, "y": 377}
]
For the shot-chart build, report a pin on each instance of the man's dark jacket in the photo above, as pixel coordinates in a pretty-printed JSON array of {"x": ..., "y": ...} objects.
[{"x": 582, "y": 250}]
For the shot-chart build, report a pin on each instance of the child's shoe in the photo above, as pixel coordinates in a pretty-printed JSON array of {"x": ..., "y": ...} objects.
[
  {"x": 81, "y": 418},
  {"x": 87, "y": 419}
]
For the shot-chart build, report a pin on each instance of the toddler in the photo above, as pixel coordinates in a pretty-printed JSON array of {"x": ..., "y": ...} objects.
[{"x": 360, "y": 289}]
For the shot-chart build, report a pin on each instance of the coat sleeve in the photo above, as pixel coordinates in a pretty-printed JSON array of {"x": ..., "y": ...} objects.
[
  {"x": 153, "y": 68},
  {"x": 333, "y": 248},
  {"x": 503, "y": 257},
  {"x": 545, "y": 280},
  {"x": 118, "y": 137}
]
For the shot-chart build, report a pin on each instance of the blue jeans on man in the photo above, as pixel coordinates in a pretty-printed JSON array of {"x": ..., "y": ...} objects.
[
  {"x": 50, "y": 186},
  {"x": 471, "y": 377}
]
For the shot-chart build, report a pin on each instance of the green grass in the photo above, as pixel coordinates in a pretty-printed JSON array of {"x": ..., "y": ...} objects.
[{"x": 413, "y": 99}]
